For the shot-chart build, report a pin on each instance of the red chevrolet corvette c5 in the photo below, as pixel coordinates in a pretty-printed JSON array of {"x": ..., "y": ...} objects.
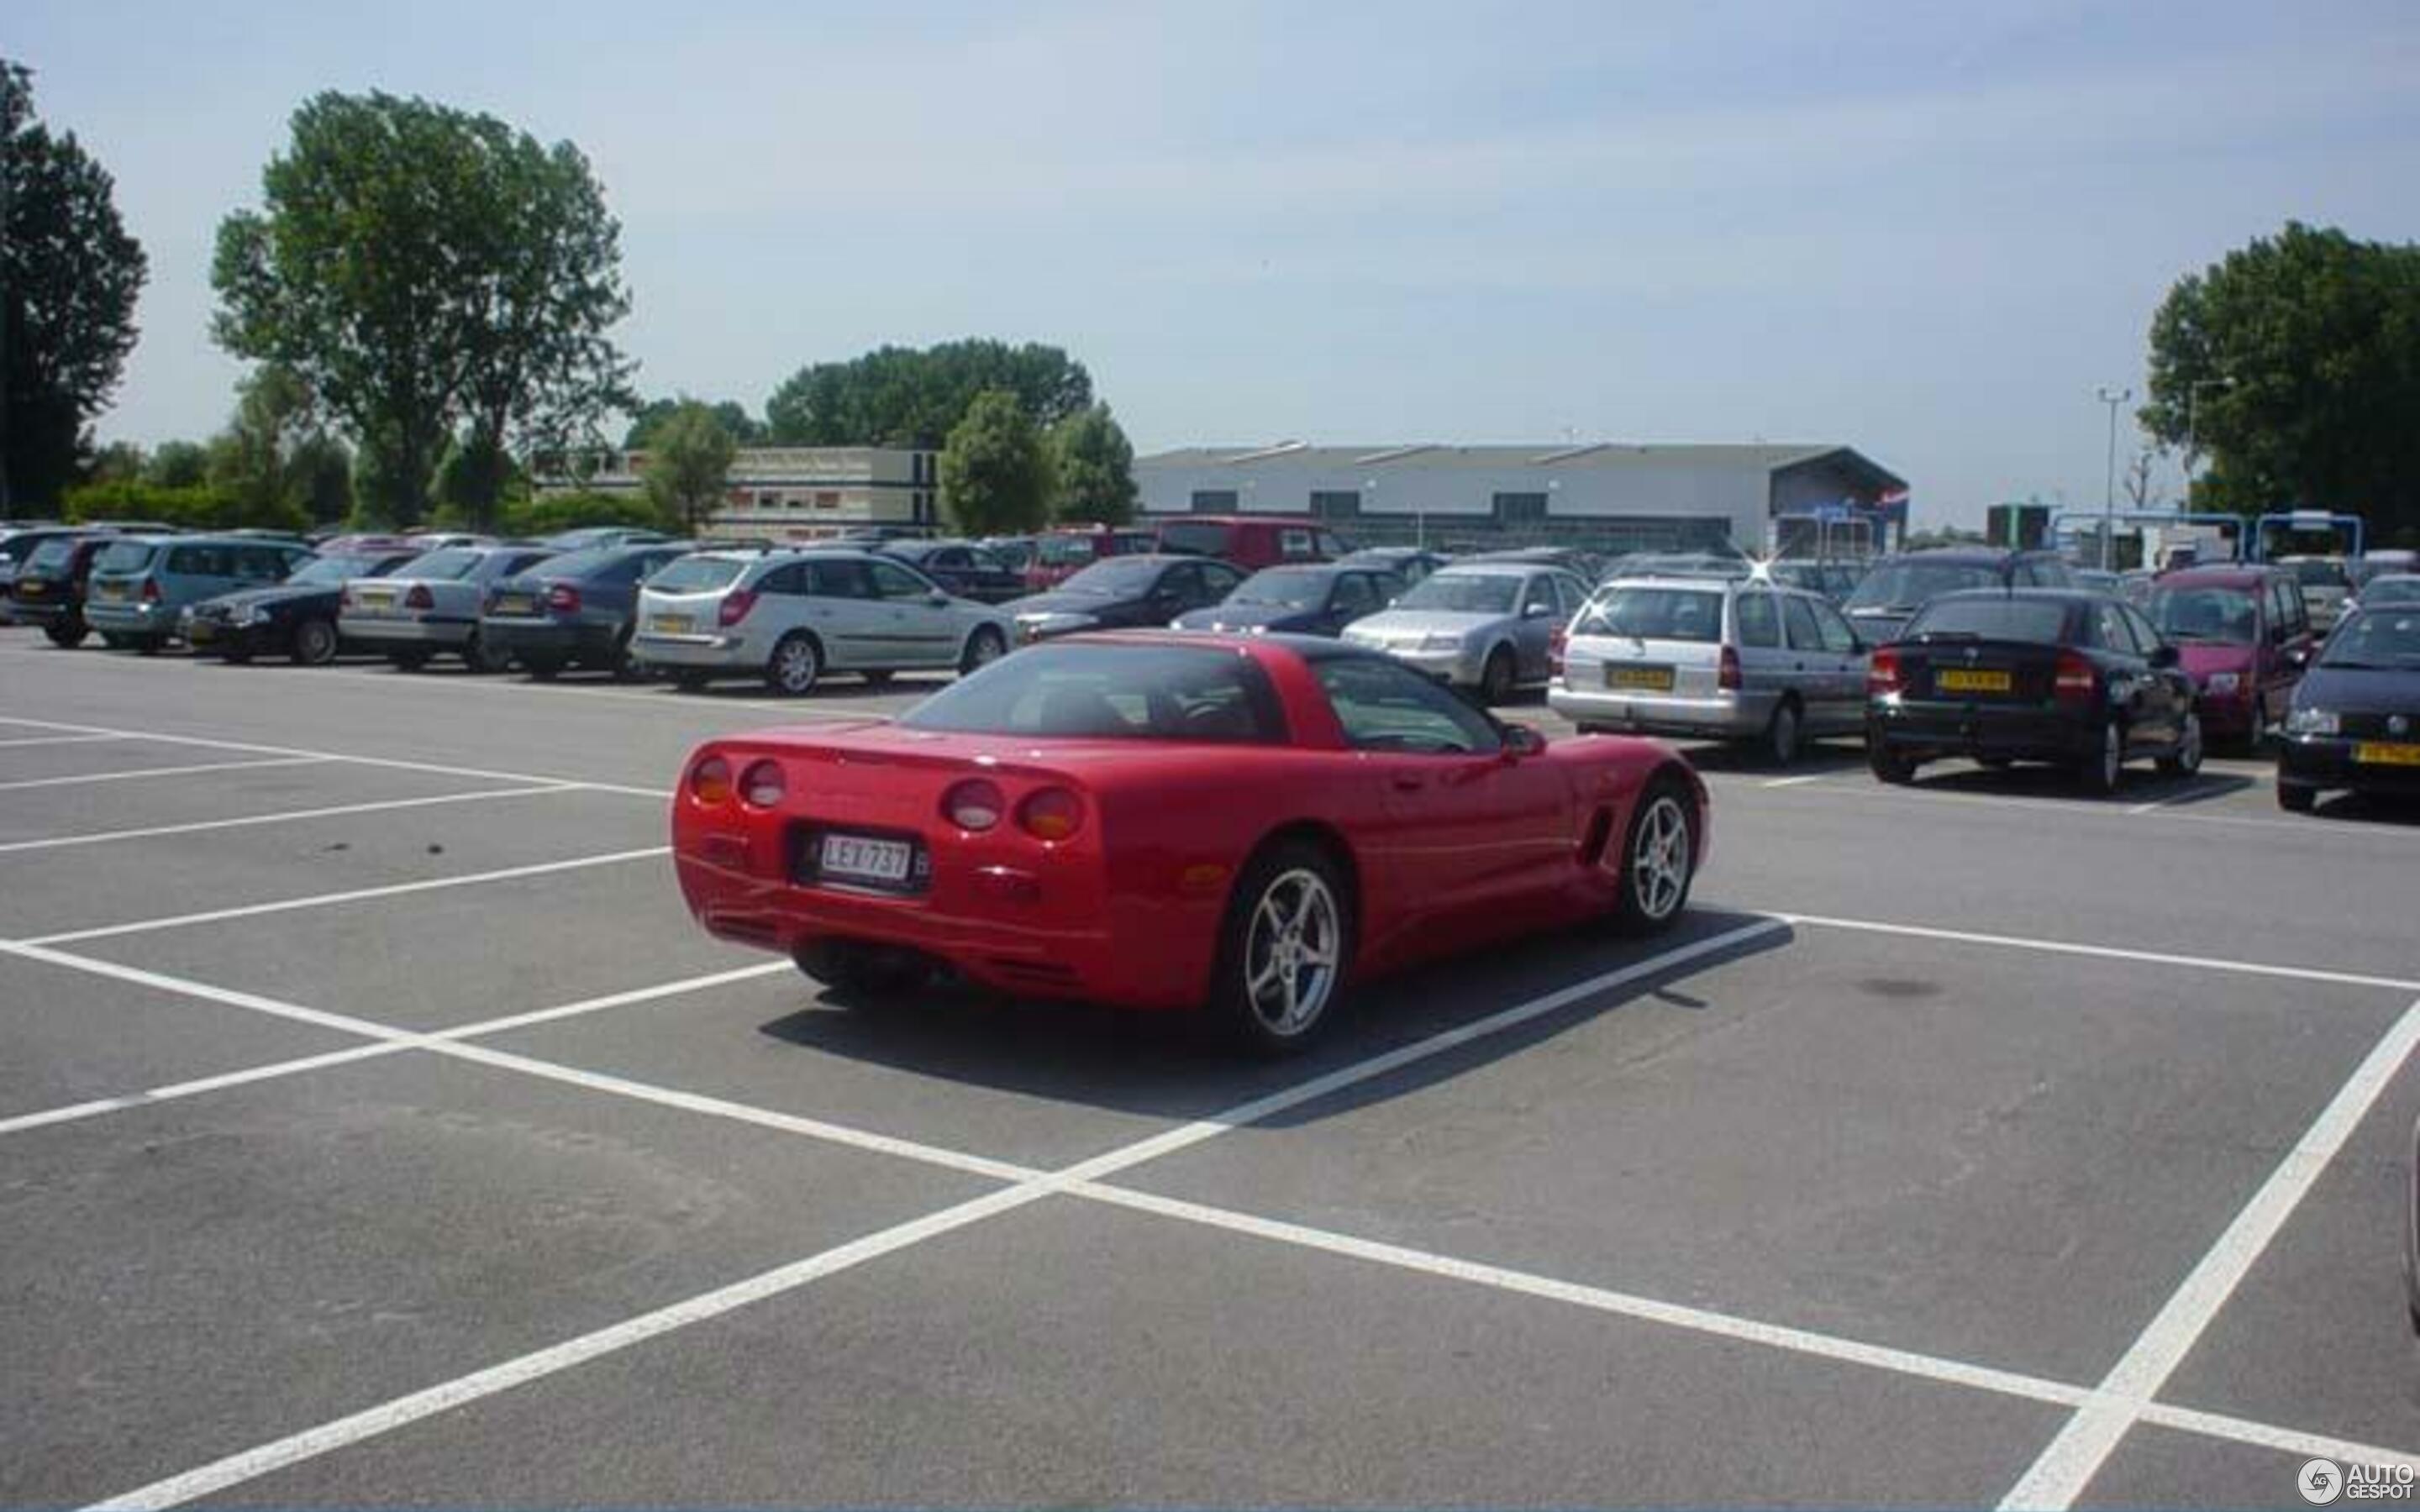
[{"x": 1162, "y": 820}]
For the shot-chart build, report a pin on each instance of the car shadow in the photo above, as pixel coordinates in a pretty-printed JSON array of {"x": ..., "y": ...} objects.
[
  {"x": 1816, "y": 758},
  {"x": 2368, "y": 807},
  {"x": 1178, "y": 1065},
  {"x": 2140, "y": 784}
]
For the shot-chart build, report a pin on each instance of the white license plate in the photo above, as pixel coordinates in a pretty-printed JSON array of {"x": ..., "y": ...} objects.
[
  {"x": 375, "y": 600},
  {"x": 856, "y": 858}
]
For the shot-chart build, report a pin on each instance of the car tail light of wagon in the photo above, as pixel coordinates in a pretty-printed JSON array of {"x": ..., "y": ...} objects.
[{"x": 1883, "y": 673}]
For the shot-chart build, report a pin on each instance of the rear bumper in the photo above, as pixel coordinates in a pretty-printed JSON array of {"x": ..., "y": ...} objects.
[
  {"x": 728, "y": 652},
  {"x": 1927, "y": 731},
  {"x": 574, "y": 641},
  {"x": 1726, "y": 717},
  {"x": 399, "y": 631},
  {"x": 117, "y": 617},
  {"x": 2328, "y": 762},
  {"x": 43, "y": 613}
]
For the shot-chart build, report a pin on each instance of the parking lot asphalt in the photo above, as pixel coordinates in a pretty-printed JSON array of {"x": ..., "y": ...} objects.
[{"x": 376, "y": 1127}]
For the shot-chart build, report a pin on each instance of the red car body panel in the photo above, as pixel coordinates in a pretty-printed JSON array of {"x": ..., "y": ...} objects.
[
  {"x": 1445, "y": 853},
  {"x": 2269, "y": 666}
]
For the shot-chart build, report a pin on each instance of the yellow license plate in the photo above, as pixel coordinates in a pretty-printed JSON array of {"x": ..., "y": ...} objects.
[
  {"x": 668, "y": 625},
  {"x": 110, "y": 591},
  {"x": 30, "y": 587},
  {"x": 201, "y": 631},
  {"x": 2386, "y": 753},
  {"x": 1651, "y": 679},
  {"x": 1968, "y": 679},
  {"x": 377, "y": 597}
]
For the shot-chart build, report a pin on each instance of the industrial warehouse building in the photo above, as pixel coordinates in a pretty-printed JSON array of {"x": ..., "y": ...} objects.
[{"x": 1607, "y": 496}]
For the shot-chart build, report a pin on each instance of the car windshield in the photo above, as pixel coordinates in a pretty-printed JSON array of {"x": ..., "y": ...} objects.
[
  {"x": 124, "y": 556},
  {"x": 2038, "y": 621},
  {"x": 1066, "y": 550},
  {"x": 697, "y": 575},
  {"x": 1463, "y": 592},
  {"x": 1117, "y": 576},
  {"x": 2380, "y": 592},
  {"x": 446, "y": 565},
  {"x": 56, "y": 552},
  {"x": 2376, "y": 641},
  {"x": 2318, "y": 574},
  {"x": 1285, "y": 588},
  {"x": 1655, "y": 614},
  {"x": 577, "y": 564},
  {"x": 1109, "y": 692},
  {"x": 334, "y": 570},
  {"x": 2222, "y": 616},
  {"x": 1911, "y": 584}
]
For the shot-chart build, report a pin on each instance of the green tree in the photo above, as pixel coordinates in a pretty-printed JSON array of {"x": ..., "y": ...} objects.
[
  {"x": 70, "y": 276},
  {"x": 266, "y": 457},
  {"x": 1094, "y": 465},
  {"x": 730, "y": 414},
  {"x": 177, "y": 465},
  {"x": 117, "y": 462},
  {"x": 995, "y": 468},
  {"x": 900, "y": 397},
  {"x": 423, "y": 268},
  {"x": 548, "y": 513},
  {"x": 2294, "y": 365},
  {"x": 688, "y": 466}
]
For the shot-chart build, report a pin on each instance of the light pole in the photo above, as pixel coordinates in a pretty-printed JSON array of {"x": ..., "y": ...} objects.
[{"x": 2113, "y": 398}]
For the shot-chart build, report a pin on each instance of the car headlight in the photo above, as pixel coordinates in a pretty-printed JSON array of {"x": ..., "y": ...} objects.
[
  {"x": 2311, "y": 722},
  {"x": 2223, "y": 681},
  {"x": 1448, "y": 642}
]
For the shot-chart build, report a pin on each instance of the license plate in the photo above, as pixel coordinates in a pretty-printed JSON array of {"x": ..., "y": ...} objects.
[
  {"x": 514, "y": 604},
  {"x": 198, "y": 631},
  {"x": 30, "y": 587},
  {"x": 2386, "y": 753},
  {"x": 669, "y": 624},
  {"x": 1970, "y": 680},
  {"x": 109, "y": 591},
  {"x": 378, "y": 598},
  {"x": 860, "y": 858},
  {"x": 1653, "y": 679}
]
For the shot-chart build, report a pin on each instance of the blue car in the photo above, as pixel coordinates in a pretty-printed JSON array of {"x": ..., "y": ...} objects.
[
  {"x": 2355, "y": 719},
  {"x": 1316, "y": 599}
]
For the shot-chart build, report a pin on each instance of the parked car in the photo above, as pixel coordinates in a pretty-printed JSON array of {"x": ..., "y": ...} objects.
[
  {"x": 1583, "y": 565},
  {"x": 1740, "y": 661},
  {"x": 2385, "y": 590},
  {"x": 16, "y": 546},
  {"x": 296, "y": 618},
  {"x": 141, "y": 585},
  {"x": 2390, "y": 562},
  {"x": 1410, "y": 563},
  {"x": 791, "y": 617},
  {"x": 599, "y": 537},
  {"x": 1319, "y": 599},
  {"x": 1277, "y": 816},
  {"x": 2355, "y": 721},
  {"x": 49, "y": 588},
  {"x": 431, "y": 605},
  {"x": 963, "y": 568},
  {"x": 1251, "y": 542},
  {"x": 2244, "y": 637},
  {"x": 1015, "y": 552},
  {"x": 1895, "y": 587},
  {"x": 1835, "y": 578},
  {"x": 2031, "y": 674},
  {"x": 1487, "y": 626},
  {"x": 577, "y": 608},
  {"x": 1122, "y": 593},
  {"x": 2325, "y": 586},
  {"x": 1061, "y": 554}
]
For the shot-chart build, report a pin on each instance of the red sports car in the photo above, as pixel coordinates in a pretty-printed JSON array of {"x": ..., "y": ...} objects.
[{"x": 1163, "y": 821}]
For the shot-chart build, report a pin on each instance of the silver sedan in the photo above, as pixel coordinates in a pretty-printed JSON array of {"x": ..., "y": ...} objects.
[
  {"x": 431, "y": 603},
  {"x": 1484, "y": 625}
]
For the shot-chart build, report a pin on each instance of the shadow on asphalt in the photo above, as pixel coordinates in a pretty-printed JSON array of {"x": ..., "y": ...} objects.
[
  {"x": 2141, "y": 784},
  {"x": 1177, "y": 1066},
  {"x": 1817, "y": 758}
]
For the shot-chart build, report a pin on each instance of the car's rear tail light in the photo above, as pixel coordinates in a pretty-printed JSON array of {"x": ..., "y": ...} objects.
[
  {"x": 2076, "y": 682},
  {"x": 975, "y": 804},
  {"x": 1883, "y": 673},
  {"x": 420, "y": 597},
  {"x": 1053, "y": 814},
  {"x": 1555, "y": 643},
  {"x": 710, "y": 781},
  {"x": 562, "y": 598},
  {"x": 1727, "y": 676},
  {"x": 734, "y": 606},
  {"x": 150, "y": 590},
  {"x": 762, "y": 785}
]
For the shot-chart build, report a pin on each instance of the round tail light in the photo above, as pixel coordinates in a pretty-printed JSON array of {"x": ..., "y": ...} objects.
[
  {"x": 762, "y": 785},
  {"x": 975, "y": 804},
  {"x": 1053, "y": 814},
  {"x": 710, "y": 781}
]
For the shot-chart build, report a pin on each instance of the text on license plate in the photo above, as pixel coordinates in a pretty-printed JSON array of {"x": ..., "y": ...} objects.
[
  {"x": 515, "y": 603},
  {"x": 1971, "y": 680},
  {"x": 30, "y": 587},
  {"x": 109, "y": 591},
  {"x": 855, "y": 858},
  {"x": 1659, "y": 679},
  {"x": 669, "y": 624},
  {"x": 2386, "y": 753},
  {"x": 377, "y": 597}
]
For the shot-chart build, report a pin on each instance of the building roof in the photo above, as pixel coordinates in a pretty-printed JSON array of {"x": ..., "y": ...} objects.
[{"x": 1496, "y": 458}]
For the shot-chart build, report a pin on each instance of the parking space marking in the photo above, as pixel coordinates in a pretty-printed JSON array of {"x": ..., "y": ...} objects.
[
  {"x": 172, "y": 1092},
  {"x": 2184, "y": 793},
  {"x": 59, "y": 740},
  {"x": 83, "y": 778},
  {"x": 2106, "y": 953},
  {"x": 1799, "y": 781},
  {"x": 2269, "y": 1436},
  {"x": 104, "y": 837},
  {"x": 2068, "y": 1463},
  {"x": 331, "y": 900}
]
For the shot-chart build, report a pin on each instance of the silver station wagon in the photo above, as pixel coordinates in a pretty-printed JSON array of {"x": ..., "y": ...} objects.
[
  {"x": 1740, "y": 661},
  {"x": 789, "y": 617}
]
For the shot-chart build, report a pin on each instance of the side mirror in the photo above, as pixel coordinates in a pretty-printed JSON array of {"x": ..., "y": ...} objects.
[
  {"x": 1520, "y": 740},
  {"x": 1538, "y": 611},
  {"x": 936, "y": 598},
  {"x": 2165, "y": 657}
]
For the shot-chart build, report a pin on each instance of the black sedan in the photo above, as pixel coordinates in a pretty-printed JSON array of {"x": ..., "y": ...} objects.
[
  {"x": 963, "y": 568},
  {"x": 296, "y": 618},
  {"x": 1123, "y": 594},
  {"x": 2055, "y": 675},
  {"x": 1320, "y": 599},
  {"x": 2355, "y": 719}
]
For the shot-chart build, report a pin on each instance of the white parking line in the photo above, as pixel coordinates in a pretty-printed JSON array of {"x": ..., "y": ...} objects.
[
  {"x": 2106, "y": 952},
  {"x": 329, "y": 900},
  {"x": 81, "y": 778},
  {"x": 1799, "y": 781},
  {"x": 58, "y": 740},
  {"x": 74, "y": 1112},
  {"x": 104, "y": 837},
  {"x": 2071, "y": 1461}
]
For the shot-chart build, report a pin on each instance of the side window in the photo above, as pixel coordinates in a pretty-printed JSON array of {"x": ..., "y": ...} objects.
[
  {"x": 954, "y": 557},
  {"x": 1838, "y": 637},
  {"x": 1356, "y": 592},
  {"x": 1329, "y": 545},
  {"x": 2145, "y": 635},
  {"x": 1800, "y": 622},
  {"x": 628, "y": 570},
  {"x": 838, "y": 579},
  {"x": 1759, "y": 623},
  {"x": 1539, "y": 592},
  {"x": 985, "y": 562},
  {"x": 2109, "y": 629},
  {"x": 1294, "y": 545},
  {"x": 2052, "y": 573},
  {"x": 1182, "y": 582},
  {"x": 1217, "y": 580},
  {"x": 893, "y": 581},
  {"x": 789, "y": 580},
  {"x": 1382, "y": 706}
]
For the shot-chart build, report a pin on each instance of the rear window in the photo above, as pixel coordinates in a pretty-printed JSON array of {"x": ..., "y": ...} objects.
[
  {"x": 697, "y": 575},
  {"x": 579, "y": 563},
  {"x": 1198, "y": 540},
  {"x": 1655, "y": 614},
  {"x": 1909, "y": 584},
  {"x": 450, "y": 564},
  {"x": 1111, "y": 692},
  {"x": 1066, "y": 550},
  {"x": 2035, "y": 620},
  {"x": 124, "y": 556},
  {"x": 53, "y": 553},
  {"x": 2318, "y": 574},
  {"x": 1464, "y": 593}
]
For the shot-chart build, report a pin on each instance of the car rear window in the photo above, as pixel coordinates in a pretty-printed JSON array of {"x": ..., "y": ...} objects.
[
  {"x": 2318, "y": 574},
  {"x": 1655, "y": 614},
  {"x": 447, "y": 564},
  {"x": 1111, "y": 692},
  {"x": 2035, "y": 620},
  {"x": 125, "y": 556},
  {"x": 697, "y": 575},
  {"x": 56, "y": 552},
  {"x": 1906, "y": 585}
]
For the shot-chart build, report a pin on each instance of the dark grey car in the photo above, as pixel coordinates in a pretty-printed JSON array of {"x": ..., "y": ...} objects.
[{"x": 577, "y": 608}]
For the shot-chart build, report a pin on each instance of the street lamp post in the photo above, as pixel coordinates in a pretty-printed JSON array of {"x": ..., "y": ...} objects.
[{"x": 2113, "y": 398}]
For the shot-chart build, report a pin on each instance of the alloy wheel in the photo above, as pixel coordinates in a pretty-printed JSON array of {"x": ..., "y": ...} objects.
[
  {"x": 1293, "y": 953},
  {"x": 1660, "y": 858}
]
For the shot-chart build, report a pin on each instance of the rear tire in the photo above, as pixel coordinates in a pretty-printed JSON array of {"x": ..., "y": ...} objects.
[
  {"x": 1781, "y": 737},
  {"x": 476, "y": 656},
  {"x": 1283, "y": 950},
  {"x": 2100, "y": 774},
  {"x": 2187, "y": 758},
  {"x": 1887, "y": 764},
  {"x": 985, "y": 646},
  {"x": 1659, "y": 859},
  {"x": 1495, "y": 678},
  {"x": 315, "y": 643},
  {"x": 2295, "y": 798},
  {"x": 796, "y": 666},
  {"x": 2257, "y": 736},
  {"x": 543, "y": 667},
  {"x": 65, "y": 635}
]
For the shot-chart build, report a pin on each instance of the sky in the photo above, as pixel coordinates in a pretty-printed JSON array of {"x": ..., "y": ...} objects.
[{"x": 1928, "y": 231}]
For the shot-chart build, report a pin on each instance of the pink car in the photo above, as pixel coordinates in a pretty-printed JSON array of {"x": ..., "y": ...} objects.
[{"x": 2244, "y": 635}]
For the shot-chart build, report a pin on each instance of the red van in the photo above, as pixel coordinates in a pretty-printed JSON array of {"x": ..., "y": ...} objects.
[
  {"x": 1060, "y": 554},
  {"x": 1251, "y": 542},
  {"x": 2244, "y": 634}
]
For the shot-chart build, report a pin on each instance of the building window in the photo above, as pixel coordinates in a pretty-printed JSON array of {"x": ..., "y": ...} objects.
[
  {"x": 827, "y": 501},
  {"x": 1214, "y": 501},
  {"x": 769, "y": 501},
  {"x": 1344, "y": 505},
  {"x": 1521, "y": 508}
]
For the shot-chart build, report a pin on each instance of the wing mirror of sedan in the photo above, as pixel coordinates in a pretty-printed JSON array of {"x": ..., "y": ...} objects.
[
  {"x": 1537, "y": 611},
  {"x": 1521, "y": 740},
  {"x": 936, "y": 598}
]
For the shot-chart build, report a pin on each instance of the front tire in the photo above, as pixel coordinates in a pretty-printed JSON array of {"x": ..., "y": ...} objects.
[
  {"x": 1283, "y": 950},
  {"x": 1659, "y": 859},
  {"x": 1887, "y": 764},
  {"x": 796, "y": 666},
  {"x": 1495, "y": 678},
  {"x": 2295, "y": 798},
  {"x": 1781, "y": 737},
  {"x": 67, "y": 634},
  {"x": 985, "y": 646},
  {"x": 315, "y": 643}
]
